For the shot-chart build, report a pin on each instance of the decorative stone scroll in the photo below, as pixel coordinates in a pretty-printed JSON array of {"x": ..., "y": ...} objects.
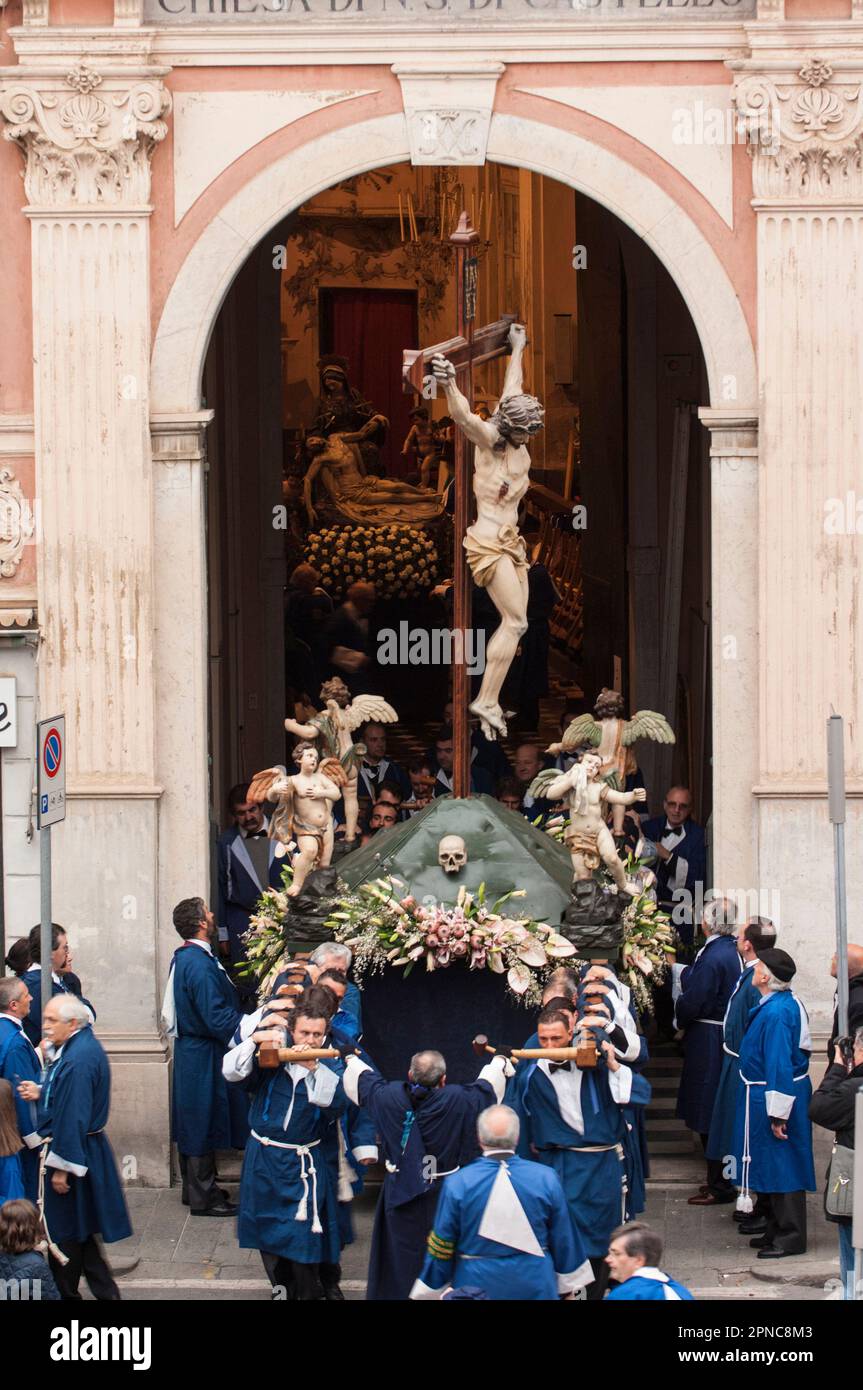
[
  {"x": 87, "y": 138},
  {"x": 16, "y": 524},
  {"x": 804, "y": 129}
]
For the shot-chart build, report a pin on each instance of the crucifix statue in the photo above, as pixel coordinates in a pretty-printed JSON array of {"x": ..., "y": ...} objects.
[{"x": 491, "y": 546}]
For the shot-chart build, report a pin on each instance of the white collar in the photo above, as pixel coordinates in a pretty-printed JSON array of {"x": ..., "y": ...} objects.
[
  {"x": 204, "y": 945},
  {"x": 650, "y": 1272},
  {"x": 249, "y": 834}
]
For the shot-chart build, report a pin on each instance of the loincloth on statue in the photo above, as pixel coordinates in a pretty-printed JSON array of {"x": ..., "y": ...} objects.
[
  {"x": 583, "y": 842},
  {"x": 483, "y": 554},
  {"x": 312, "y": 832}
]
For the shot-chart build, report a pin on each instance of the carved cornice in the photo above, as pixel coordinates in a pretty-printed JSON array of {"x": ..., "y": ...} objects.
[
  {"x": 804, "y": 130},
  {"x": 87, "y": 137}
]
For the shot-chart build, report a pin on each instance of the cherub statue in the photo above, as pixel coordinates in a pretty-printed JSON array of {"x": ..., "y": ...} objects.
[
  {"x": 304, "y": 808},
  {"x": 613, "y": 737},
  {"x": 587, "y": 836},
  {"x": 332, "y": 730},
  {"x": 495, "y": 550}
]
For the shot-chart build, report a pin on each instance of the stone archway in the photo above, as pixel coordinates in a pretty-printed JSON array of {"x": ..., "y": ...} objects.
[{"x": 179, "y": 426}]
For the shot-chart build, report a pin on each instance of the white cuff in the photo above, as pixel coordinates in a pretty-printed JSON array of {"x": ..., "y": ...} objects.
[
  {"x": 633, "y": 1045},
  {"x": 237, "y": 1064},
  {"x": 421, "y": 1290},
  {"x": 497, "y": 1076},
  {"x": 78, "y": 1170},
  {"x": 578, "y": 1279},
  {"x": 248, "y": 1024},
  {"x": 354, "y": 1067},
  {"x": 322, "y": 1085},
  {"x": 779, "y": 1106},
  {"x": 33, "y": 1140},
  {"x": 620, "y": 1084},
  {"x": 365, "y": 1151}
]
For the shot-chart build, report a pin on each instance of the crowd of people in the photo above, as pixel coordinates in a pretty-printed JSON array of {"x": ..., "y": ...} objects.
[{"x": 527, "y": 1183}]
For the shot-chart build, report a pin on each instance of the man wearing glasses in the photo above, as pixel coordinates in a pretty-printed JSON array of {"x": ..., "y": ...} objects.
[{"x": 681, "y": 859}]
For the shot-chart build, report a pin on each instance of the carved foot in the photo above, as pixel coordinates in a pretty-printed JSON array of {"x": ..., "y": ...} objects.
[{"x": 490, "y": 718}]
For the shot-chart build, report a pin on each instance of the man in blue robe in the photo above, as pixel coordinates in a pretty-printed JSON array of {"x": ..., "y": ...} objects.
[
  {"x": 288, "y": 1193},
  {"x": 573, "y": 1121},
  {"x": 502, "y": 1225},
  {"x": 633, "y": 1259},
  {"x": 427, "y": 1131},
  {"x": 756, "y": 935},
  {"x": 773, "y": 1134},
  {"x": 19, "y": 1063},
  {"x": 332, "y": 955},
  {"x": 707, "y": 986},
  {"x": 63, "y": 980},
  {"x": 83, "y": 1193},
  {"x": 201, "y": 1013}
]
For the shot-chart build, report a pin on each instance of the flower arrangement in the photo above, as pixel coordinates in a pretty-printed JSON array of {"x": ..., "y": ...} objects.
[
  {"x": 265, "y": 941},
  {"x": 383, "y": 929},
  {"x": 399, "y": 561},
  {"x": 648, "y": 940}
]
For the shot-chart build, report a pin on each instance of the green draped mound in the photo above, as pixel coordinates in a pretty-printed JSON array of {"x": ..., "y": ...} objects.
[{"x": 504, "y": 851}]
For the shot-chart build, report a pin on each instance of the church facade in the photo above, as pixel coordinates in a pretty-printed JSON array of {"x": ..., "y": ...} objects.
[{"x": 150, "y": 145}]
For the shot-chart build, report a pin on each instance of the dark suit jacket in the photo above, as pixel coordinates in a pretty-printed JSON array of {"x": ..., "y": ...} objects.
[
  {"x": 239, "y": 888},
  {"x": 692, "y": 847}
]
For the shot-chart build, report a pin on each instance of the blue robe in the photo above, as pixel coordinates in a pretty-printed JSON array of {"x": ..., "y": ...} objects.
[
  {"x": 720, "y": 1140},
  {"x": 285, "y": 1196},
  {"x": 67, "y": 984},
  {"x": 425, "y": 1135},
  {"x": 356, "y": 1136},
  {"x": 73, "y": 1112},
  {"x": 707, "y": 987},
  {"x": 11, "y": 1181},
  {"x": 207, "y": 1017},
  {"x": 595, "y": 1184},
  {"x": 649, "y": 1285},
  {"x": 774, "y": 1066},
  {"x": 351, "y": 1004},
  {"x": 459, "y": 1255},
  {"x": 19, "y": 1061}
]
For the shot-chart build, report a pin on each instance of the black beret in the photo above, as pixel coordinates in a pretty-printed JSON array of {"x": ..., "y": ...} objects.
[{"x": 779, "y": 963}]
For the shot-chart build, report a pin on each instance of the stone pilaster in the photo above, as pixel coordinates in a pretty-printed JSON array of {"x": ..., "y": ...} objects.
[
  {"x": 734, "y": 629},
  {"x": 803, "y": 117},
  {"x": 87, "y": 136}
]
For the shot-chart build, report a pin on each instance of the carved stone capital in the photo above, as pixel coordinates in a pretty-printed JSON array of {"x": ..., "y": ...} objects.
[
  {"x": 448, "y": 111},
  {"x": 804, "y": 130},
  {"x": 87, "y": 137}
]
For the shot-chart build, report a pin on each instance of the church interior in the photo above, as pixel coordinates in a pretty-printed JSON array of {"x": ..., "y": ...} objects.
[{"x": 618, "y": 511}]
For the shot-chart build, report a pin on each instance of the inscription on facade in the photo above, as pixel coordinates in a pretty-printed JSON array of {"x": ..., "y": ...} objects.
[{"x": 507, "y": 11}]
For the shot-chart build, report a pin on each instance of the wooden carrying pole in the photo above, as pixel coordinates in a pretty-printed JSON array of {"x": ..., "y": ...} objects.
[{"x": 464, "y": 239}]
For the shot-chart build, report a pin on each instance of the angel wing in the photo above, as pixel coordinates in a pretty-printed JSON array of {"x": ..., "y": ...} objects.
[
  {"x": 646, "y": 723},
  {"x": 332, "y": 768},
  {"x": 542, "y": 781},
  {"x": 262, "y": 783},
  {"x": 584, "y": 729},
  {"x": 364, "y": 707}
]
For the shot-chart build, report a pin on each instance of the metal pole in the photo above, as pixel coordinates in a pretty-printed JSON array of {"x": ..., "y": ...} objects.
[
  {"x": 45, "y": 932},
  {"x": 857, "y": 1218},
  {"x": 836, "y": 808}
]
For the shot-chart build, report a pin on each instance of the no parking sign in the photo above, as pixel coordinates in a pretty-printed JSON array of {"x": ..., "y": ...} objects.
[{"x": 51, "y": 780}]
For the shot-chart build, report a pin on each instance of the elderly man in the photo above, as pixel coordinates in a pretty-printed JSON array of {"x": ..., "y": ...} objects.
[
  {"x": 427, "y": 1131},
  {"x": 773, "y": 1133},
  {"x": 288, "y": 1200},
  {"x": 84, "y": 1196},
  {"x": 633, "y": 1259},
  {"x": 502, "y": 1226},
  {"x": 855, "y": 994},
  {"x": 574, "y": 1122},
  {"x": 756, "y": 935},
  {"x": 332, "y": 955},
  {"x": 19, "y": 1062},
  {"x": 201, "y": 1013},
  {"x": 706, "y": 987}
]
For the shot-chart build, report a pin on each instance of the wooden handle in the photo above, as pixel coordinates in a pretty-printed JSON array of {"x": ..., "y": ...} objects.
[{"x": 271, "y": 1055}]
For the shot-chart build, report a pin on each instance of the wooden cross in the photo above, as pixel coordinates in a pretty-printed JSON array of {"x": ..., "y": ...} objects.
[{"x": 469, "y": 349}]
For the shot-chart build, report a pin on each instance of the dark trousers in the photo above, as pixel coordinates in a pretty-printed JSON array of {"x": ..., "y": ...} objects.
[
  {"x": 719, "y": 1185},
  {"x": 595, "y": 1292},
  {"x": 786, "y": 1221},
  {"x": 199, "y": 1181},
  {"x": 302, "y": 1283},
  {"x": 85, "y": 1257}
]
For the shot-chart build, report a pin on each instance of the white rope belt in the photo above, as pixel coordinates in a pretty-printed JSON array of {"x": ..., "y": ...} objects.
[
  {"x": 717, "y": 1022},
  {"x": 40, "y": 1202},
  {"x": 744, "y": 1201},
  {"x": 394, "y": 1168},
  {"x": 304, "y": 1154},
  {"x": 604, "y": 1149}
]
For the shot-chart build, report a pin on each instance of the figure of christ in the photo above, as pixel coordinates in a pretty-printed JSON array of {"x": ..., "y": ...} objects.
[
  {"x": 304, "y": 809},
  {"x": 363, "y": 498},
  {"x": 332, "y": 729},
  {"x": 588, "y": 838},
  {"x": 495, "y": 551}
]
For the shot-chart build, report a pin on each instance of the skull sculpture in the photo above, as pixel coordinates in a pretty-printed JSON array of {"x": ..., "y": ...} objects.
[{"x": 452, "y": 854}]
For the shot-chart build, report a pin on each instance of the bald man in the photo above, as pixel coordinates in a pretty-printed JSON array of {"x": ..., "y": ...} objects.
[{"x": 855, "y": 995}]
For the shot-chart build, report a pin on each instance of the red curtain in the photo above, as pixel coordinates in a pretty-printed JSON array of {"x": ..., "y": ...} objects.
[{"x": 371, "y": 328}]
